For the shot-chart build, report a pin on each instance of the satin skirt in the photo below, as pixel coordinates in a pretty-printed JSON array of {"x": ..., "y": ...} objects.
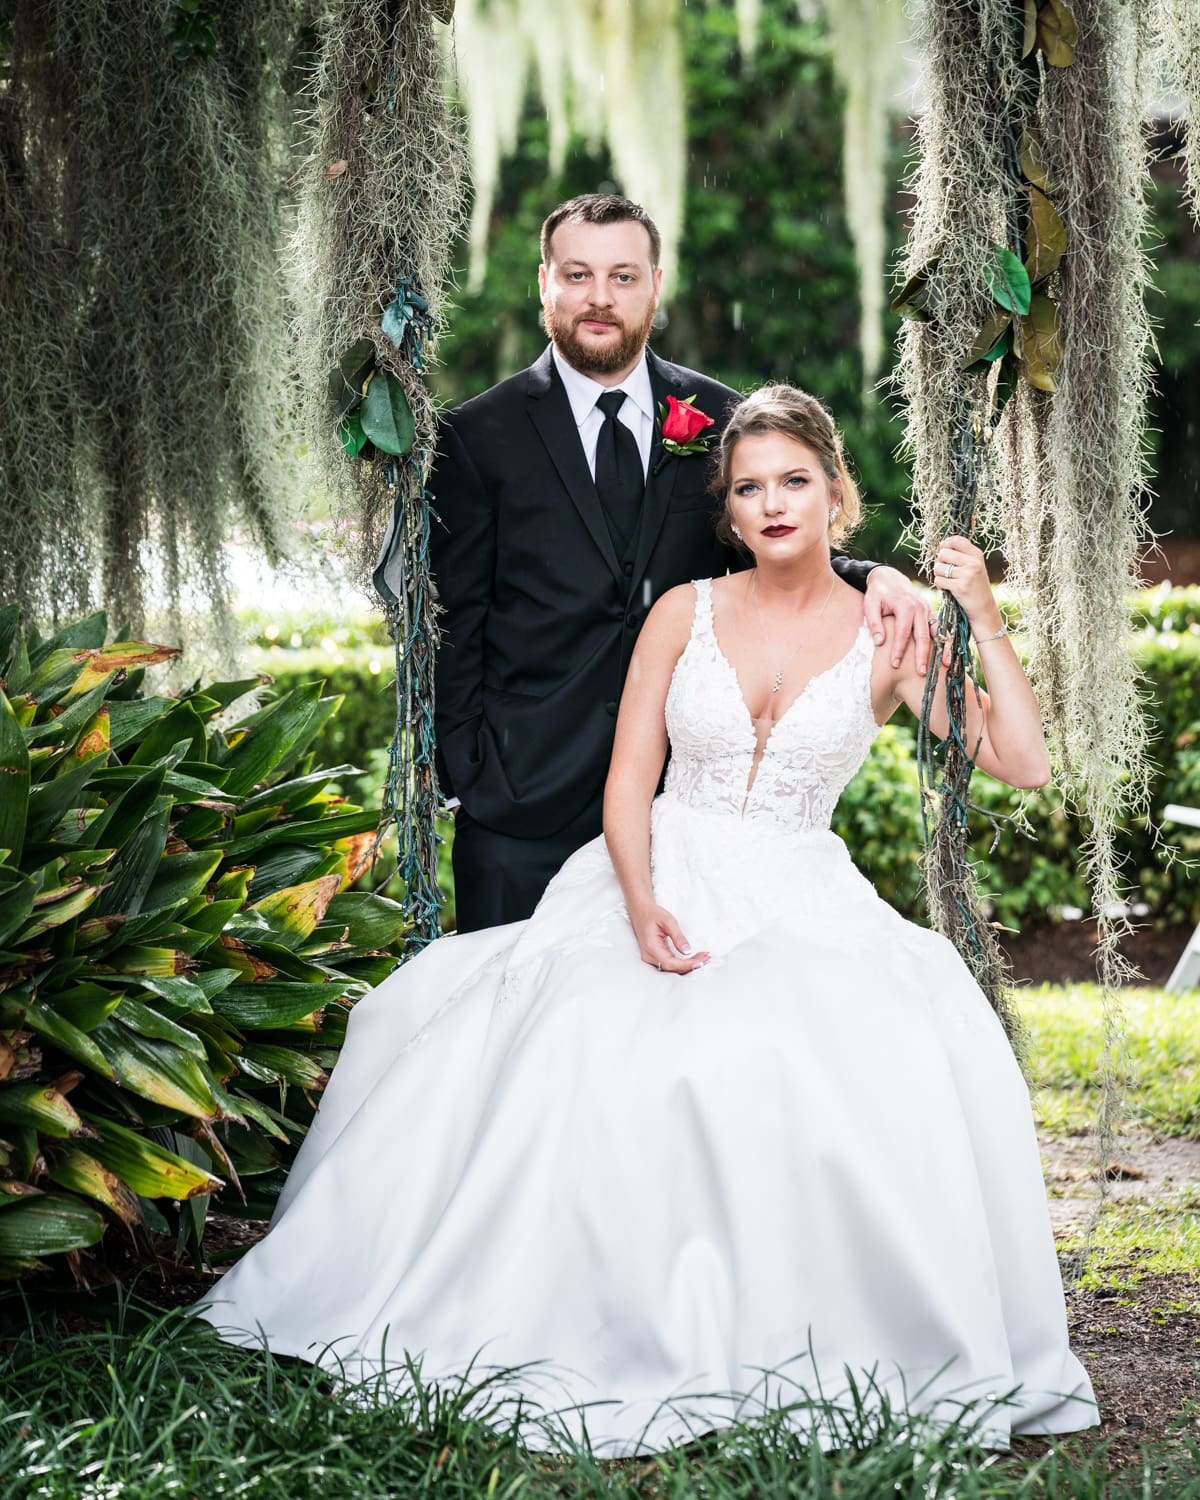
[{"x": 637, "y": 1193}]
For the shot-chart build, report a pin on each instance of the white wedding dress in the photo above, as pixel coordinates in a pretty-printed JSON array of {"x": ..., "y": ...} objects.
[{"x": 814, "y": 1156}]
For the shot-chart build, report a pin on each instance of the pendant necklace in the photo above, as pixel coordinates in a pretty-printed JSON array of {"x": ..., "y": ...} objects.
[{"x": 777, "y": 681}]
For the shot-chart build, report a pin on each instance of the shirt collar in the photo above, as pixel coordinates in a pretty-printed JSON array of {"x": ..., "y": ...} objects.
[{"x": 583, "y": 392}]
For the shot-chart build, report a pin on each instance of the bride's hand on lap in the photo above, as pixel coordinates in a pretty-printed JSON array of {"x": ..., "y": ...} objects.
[{"x": 662, "y": 944}]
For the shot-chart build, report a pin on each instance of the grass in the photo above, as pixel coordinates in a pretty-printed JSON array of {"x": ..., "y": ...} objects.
[
  {"x": 155, "y": 1407},
  {"x": 1163, "y": 1058}
]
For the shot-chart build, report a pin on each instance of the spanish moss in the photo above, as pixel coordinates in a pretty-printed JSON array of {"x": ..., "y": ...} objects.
[
  {"x": 150, "y": 172},
  {"x": 382, "y": 201}
]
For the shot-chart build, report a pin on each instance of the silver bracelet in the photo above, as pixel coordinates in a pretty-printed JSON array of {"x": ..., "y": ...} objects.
[{"x": 979, "y": 639}]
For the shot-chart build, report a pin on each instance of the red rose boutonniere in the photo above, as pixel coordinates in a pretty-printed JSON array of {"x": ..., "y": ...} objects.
[{"x": 682, "y": 426}]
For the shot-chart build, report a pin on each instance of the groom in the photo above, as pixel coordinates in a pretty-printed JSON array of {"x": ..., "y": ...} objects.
[{"x": 563, "y": 517}]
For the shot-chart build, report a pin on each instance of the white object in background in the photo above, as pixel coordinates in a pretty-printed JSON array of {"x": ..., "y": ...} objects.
[{"x": 1186, "y": 973}]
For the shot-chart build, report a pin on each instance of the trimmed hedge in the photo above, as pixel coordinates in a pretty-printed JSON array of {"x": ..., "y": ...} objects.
[{"x": 1027, "y": 876}]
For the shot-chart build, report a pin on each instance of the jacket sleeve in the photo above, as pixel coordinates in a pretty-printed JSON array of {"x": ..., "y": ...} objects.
[
  {"x": 853, "y": 571},
  {"x": 463, "y": 552}
]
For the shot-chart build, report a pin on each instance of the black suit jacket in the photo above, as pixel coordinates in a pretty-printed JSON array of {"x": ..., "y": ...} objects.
[{"x": 540, "y": 615}]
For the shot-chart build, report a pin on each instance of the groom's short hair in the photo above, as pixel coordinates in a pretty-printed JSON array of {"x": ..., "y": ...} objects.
[{"x": 600, "y": 208}]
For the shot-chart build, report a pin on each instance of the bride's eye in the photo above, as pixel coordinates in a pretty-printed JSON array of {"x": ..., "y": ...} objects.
[
  {"x": 797, "y": 479},
  {"x": 747, "y": 487}
]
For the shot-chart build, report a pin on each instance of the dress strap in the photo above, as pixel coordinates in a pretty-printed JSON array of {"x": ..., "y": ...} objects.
[{"x": 702, "y": 616}]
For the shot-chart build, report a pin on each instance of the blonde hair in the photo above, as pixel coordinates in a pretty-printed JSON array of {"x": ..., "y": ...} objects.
[{"x": 795, "y": 414}]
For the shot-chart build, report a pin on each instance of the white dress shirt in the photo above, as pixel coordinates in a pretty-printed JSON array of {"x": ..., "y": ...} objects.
[{"x": 637, "y": 413}]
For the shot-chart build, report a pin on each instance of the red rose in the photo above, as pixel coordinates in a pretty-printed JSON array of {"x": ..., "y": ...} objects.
[{"x": 683, "y": 423}]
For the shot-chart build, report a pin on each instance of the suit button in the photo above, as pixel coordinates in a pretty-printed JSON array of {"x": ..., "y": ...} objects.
[
  {"x": 611, "y": 707},
  {"x": 628, "y": 570},
  {"x": 631, "y": 622}
]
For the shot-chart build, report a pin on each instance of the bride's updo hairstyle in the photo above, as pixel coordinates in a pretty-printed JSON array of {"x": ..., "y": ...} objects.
[{"x": 797, "y": 415}]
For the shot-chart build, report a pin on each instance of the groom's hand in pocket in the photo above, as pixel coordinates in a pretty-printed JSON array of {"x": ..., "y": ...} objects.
[{"x": 663, "y": 944}]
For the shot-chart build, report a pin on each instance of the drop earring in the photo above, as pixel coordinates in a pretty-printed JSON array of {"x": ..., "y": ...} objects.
[
  {"x": 737, "y": 533},
  {"x": 833, "y": 513}
]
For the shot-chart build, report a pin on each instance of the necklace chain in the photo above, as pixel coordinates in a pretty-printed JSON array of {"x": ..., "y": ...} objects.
[{"x": 777, "y": 681}]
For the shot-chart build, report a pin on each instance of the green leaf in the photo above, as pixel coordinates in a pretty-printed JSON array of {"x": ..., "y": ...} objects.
[
  {"x": 914, "y": 300},
  {"x": 1008, "y": 280},
  {"x": 86, "y": 1005},
  {"x": 1039, "y": 346},
  {"x": 182, "y": 877},
  {"x": 991, "y": 343},
  {"x": 14, "y": 782},
  {"x": 267, "y": 738},
  {"x": 147, "y": 1022},
  {"x": 156, "y": 1070},
  {"x": 350, "y": 430},
  {"x": 48, "y": 1225},
  {"x": 68, "y": 1037},
  {"x": 83, "y": 1174},
  {"x": 272, "y": 1005},
  {"x": 66, "y": 906},
  {"x": 134, "y": 868},
  {"x": 371, "y": 921},
  {"x": 64, "y": 729},
  {"x": 39, "y": 1106},
  {"x": 146, "y": 1167},
  {"x": 294, "y": 911},
  {"x": 386, "y": 416},
  {"x": 129, "y": 721},
  {"x": 267, "y": 1062},
  {"x": 347, "y": 380}
]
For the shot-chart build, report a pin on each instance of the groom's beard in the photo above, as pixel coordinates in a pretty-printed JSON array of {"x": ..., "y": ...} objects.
[{"x": 623, "y": 351}]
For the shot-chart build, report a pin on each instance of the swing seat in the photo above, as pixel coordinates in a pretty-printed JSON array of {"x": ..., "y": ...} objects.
[{"x": 1186, "y": 973}]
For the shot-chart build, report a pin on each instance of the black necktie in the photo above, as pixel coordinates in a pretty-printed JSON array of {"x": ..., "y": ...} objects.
[{"x": 620, "y": 479}]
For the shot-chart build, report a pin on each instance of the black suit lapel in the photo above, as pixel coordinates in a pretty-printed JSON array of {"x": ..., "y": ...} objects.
[
  {"x": 665, "y": 380},
  {"x": 550, "y": 412}
]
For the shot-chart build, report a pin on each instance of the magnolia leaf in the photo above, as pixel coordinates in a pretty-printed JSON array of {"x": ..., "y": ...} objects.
[
  {"x": 914, "y": 297},
  {"x": 350, "y": 430},
  {"x": 1033, "y": 163},
  {"x": 1045, "y": 238},
  {"x": 353, "y": 370},
  {"x": 1057, "y": 33},
  {"x": 335, "y": 169},
  {"x": 992, "y": 341},
  {"x": 387, "y": 418},
  {"x": 1040, "y": 352},
  {"x": 1008, "y": 280},
  {"x": 1029, "y": 27}
]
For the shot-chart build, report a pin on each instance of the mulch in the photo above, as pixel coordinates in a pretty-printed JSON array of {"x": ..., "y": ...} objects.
[{"x": 1065, "y": 952}]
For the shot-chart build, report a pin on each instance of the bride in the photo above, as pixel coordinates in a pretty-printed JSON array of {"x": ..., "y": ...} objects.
[{"x": 715, "y": 1110}]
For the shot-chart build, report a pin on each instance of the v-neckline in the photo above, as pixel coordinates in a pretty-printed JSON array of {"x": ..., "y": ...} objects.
[{"x": 759, "y": 754}]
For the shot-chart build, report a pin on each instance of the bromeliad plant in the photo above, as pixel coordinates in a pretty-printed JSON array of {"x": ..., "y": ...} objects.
[{"x": 179, "y": 945}]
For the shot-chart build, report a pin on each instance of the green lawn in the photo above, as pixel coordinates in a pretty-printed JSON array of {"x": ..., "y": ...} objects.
[{"x": 1162, "y": 1065}]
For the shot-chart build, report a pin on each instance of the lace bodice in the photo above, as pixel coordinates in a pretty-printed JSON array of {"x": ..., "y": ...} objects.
[{"x": 809, "y": 756}]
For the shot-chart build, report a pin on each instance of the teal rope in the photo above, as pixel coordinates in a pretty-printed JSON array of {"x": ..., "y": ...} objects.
[{"x": 411, "y": 797}]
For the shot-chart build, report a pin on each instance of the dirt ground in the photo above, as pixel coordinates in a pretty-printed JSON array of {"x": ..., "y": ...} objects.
[{"x": 1064, "y": 952}]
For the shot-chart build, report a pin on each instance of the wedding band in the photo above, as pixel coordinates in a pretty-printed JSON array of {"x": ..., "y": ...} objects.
[
  {"x": 949, "y": 570},
  {"x": 658, "y": 967},
  {"x": 932, "y": 625}
]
